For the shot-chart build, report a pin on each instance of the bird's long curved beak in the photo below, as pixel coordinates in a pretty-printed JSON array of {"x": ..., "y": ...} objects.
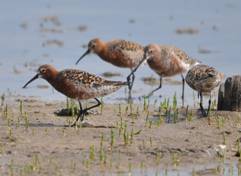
[
  {"x": 87, "y": 52},
  {"x": 35, "y": 77},
  {"x": 134, "y": 70}
]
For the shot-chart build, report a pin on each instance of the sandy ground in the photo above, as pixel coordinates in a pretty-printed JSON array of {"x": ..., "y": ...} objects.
[{"x": 35, "y": 141}]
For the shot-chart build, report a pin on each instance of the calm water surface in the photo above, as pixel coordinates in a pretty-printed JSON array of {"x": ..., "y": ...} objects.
[{"x": 218, "y": 23}]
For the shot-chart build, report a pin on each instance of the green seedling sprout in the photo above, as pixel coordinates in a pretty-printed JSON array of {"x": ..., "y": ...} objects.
[
  {"x": 142, "y": 165},
  {"x": 10, "y": 167},
  {"x": 67, "y": 103},
  {"x": 101, "y": 105},
  {"x": 92, "y": 153},
  {"x": 150, "y": 140},
  {"x": 194, "y": 172},
  {"x": 166, "y": 172},
  {"x": 231, "y": 170},
  {"x": 220, "y": 121},
  {"x": 10, "y": 134},
  {"x": 119, "y": 107},
  {"x": 150, "y": 123},
  {"x": 112, "y": 138},
  {"x": 175, "y": 159},
  {"x": 175, "y": 115},
  {"x": 36, "y": 163},
  {"x": 194, "y": 99},
  {"x": 131, "y": 108},
  {"x": 2, "y": 99},
  {"x": 21, "y": 107},
  {"x": 125, "y": 136},
  {"x": 154, "y": 104},
  {"x": 145, "y": 104},
  {"x": 126, "y": 110},
  {"x": 131, "y": 136},
  {"x": 26, "y": 120},
  {"x": 1, "y": 147},
  {"x": 72, "y": 166},
  {"x": 214, "y": 105},
  {"x": 101, "y": 151},
  {"x": 147, "y": 117},
  {"x": 129, "y": 167},
  {"x": 137, "y": 111},
  {"x": 238, "y": 150},
  {"x": 174, "y": 102},
  {"x": 158, "y": 159},
  {"x": 120, "y": 126},
  {"x": 5, "y": 112},
  {"x": 224, "y": 139}
]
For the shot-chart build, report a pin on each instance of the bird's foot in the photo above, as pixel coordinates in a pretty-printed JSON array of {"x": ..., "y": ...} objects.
[
  {"x": 203, "y": 112},
  {"x": 81, "y": 124},
  {"x": 86, "y": 124},
  {"x": 91, "y": 112}
]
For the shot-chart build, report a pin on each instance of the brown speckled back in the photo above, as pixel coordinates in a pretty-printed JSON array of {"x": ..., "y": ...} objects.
[
  {"x": 203, "y": 78},
  {"x": 83, "y": 85}
]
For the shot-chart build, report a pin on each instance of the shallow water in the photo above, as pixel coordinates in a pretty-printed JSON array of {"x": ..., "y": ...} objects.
[
  {"x": 221, "y": 169},
  {"x": 218, "y": 23}
]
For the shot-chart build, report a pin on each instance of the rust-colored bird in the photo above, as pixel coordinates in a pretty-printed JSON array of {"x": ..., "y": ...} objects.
[
  {"x": 167, "y": 61},
  {"x": 78, "y": 85},
  {"x": 204, "y": 79},
  {"x": 121, "y": 53}
]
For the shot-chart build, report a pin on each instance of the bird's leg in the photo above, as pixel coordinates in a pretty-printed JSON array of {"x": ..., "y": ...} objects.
[
  {"x": 183, "y": 89},
  {"x": 160, "y": 86},
  {"x": 133, "y": 79},
  {"x": 81, "y": 114},
  {"x": 94, "y": 106},
  {"x": 209, "y": 105},
  {"x": 201, "y": 105},
  {"x": 82, "y": 111},
  {"x": 129, "y": 97},
  {"x": 132, "y": 73},
  {"x": 130, "y": 80}
]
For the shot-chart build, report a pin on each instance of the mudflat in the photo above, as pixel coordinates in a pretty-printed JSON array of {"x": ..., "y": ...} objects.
[{"x": 117, "y": 138}]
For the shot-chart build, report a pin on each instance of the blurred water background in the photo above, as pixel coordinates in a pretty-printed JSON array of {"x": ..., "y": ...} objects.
[{"x": 38, "y": 32}]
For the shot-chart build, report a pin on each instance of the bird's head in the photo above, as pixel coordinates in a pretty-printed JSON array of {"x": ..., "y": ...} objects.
[
  {"x": 94, "y": 46},
  {"x": 46, "y": 72}
]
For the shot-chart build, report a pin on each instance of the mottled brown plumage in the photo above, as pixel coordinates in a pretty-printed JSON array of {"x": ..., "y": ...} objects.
[
  {"x": 120, "y": 53},
  {"x": 204, "y": 79},
  {"x": 77, "y": 84},
  {"x": 167, "y": 61}
]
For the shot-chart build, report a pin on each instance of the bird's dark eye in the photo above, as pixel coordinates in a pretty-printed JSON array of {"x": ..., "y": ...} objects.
[
  {"x": 42, "y": 70},
  {"x": 150, "y": 51},
  {"x": 93, "y": 45}
]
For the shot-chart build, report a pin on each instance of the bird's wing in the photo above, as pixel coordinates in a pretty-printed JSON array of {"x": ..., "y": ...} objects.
[
  {"x": 183, "y": 56},
  {"x": 87, "y": 80},
  {"x": 205, "y": 73},
  {"x": 123, "y": 45},
  {"x": 179, "y": 54},
  {"x": 81, "y": 78}
]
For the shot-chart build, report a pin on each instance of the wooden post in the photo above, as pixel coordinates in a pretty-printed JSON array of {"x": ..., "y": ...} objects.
[{"x": 229, "y": 95}]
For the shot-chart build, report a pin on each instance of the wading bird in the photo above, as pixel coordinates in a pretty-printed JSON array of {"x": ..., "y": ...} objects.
[
  {"x": 204, "y": 79},
  {"x": 121, "y": 53},
  {"x": 78, "y": 85},
  {"x": 167, "y": 61}
]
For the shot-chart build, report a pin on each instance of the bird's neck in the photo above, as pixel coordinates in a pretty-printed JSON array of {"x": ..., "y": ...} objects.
[
  {"x": 51, "y": 78},
  {"x": 103, "y": 53}
]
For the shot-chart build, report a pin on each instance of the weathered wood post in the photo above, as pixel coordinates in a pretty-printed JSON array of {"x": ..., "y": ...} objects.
[{"x": 229, "y": 95}]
